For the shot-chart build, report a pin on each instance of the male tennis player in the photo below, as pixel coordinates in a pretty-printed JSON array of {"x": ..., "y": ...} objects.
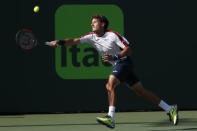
[{"x": 116, "y": 50}]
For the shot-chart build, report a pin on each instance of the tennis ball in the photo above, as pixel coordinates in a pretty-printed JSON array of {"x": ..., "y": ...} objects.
[{"x": 36, "y": 9}]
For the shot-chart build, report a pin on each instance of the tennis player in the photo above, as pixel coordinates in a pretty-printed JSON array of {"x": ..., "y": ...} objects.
[{"x": 115, "y": 49}]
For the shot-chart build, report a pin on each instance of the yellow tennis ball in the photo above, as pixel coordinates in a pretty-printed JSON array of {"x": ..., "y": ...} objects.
[{"x": 36, "y": 9}]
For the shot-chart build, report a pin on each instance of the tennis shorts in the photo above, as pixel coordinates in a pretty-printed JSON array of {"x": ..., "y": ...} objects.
[{"x": 123, "y": 70}]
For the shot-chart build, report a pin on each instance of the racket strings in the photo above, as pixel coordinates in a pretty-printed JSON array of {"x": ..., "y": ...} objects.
[{"x": 26, "y": 39}]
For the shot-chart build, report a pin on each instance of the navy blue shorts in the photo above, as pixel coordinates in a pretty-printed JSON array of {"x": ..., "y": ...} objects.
[{"x": 123, "y": 71}]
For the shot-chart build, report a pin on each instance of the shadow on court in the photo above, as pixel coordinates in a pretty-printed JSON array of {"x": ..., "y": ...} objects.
[
  {"x": 75, "y": 124},
  {"x": 136, "y": 121},
  {"x": 182, "y": 122},
  {"x": 165, "y": 123}
]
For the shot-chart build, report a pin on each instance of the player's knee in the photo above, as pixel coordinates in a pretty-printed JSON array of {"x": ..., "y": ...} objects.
[
  {"x": 138, "y": 89},
  {"x": 109, "y": 87},
  {"x": 139, "y": 92}
]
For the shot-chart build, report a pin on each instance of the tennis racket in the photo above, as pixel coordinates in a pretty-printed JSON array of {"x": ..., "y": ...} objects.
[{"x": 26, "y": 39}]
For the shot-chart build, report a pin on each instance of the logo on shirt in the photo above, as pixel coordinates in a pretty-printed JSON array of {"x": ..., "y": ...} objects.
[{"x": 115, "y": 71}]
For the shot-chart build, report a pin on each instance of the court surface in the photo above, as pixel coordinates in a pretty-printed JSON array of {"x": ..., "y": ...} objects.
[{"x": 128, "y": 121}]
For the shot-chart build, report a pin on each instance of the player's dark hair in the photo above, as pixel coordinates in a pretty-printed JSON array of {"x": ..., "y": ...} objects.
[{"x": 102, "y": 19}]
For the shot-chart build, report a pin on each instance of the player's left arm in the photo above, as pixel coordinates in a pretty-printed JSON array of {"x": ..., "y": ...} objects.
[
  {"x": 127, "y": 51},
  {"x": 123, "y": 44}
]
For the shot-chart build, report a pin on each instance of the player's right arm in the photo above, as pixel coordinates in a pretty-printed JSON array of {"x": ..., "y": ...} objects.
[{"x": 72, "y": 41}]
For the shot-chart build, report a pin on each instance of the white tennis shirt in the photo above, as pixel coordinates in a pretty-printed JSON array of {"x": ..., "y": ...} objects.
[{"x": 111, "y": 42}]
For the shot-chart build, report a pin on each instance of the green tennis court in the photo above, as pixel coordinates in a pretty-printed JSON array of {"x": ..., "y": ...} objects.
[{"x": 125, "y": 121}]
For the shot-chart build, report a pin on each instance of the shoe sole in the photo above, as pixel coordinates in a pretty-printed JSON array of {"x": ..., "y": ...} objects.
[
  {"x": 101, "y": 122},
  {"x": 177, "y": 118}
]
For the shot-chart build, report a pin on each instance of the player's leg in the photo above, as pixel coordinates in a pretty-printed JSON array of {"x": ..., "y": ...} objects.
[
  {"x": 141, "y": 91},
  {"x": 108, "y": 120},
  {"x": 110, "y": 86},
  {"x": 119, "y": 73},
  {"x": 148, "y": 95}
]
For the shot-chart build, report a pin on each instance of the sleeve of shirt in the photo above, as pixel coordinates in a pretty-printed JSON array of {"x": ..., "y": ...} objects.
[
  {"x": 121, "y": 41},
  {"x": 86, "y": 38}
]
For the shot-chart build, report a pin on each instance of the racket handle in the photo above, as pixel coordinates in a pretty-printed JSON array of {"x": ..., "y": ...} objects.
[
  {"x": 47, "y": 43},
  {"x": 52, "y": 44}
]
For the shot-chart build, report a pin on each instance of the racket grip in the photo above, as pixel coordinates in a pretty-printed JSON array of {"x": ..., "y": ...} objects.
[{"x": 48, "y": 43}]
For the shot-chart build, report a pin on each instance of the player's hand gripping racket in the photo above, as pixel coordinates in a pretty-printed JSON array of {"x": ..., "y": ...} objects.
[
  {"x": 51, "y": 43},
  {"x": 26, "y": 39}
]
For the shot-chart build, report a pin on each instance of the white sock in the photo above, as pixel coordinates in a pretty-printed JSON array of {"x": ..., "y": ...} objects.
[
  {"x": 164, "y": 106},
  {"x": 111, "y": 111}
]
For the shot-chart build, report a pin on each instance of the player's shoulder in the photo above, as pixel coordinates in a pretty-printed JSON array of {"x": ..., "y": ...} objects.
[
  {"x": 117, "y": 35},
  {"x": 88, "y": 34},
  {"x": 113, "y": 33}
]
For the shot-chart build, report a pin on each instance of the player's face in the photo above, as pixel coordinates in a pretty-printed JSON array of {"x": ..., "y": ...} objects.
[{"x": 96, "y": 25}]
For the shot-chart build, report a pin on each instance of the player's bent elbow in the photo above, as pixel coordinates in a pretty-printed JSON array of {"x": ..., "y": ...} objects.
[{"x": 129, "y": 51}]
